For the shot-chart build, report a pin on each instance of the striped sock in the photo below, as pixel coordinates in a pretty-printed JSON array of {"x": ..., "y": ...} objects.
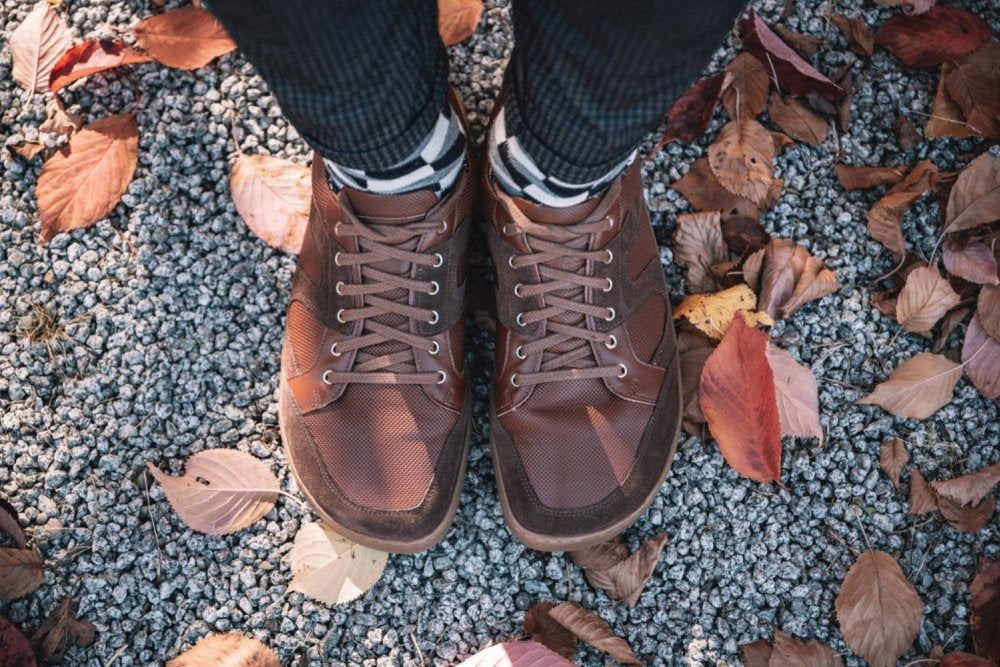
[
  {"x": 435, "y": 164},
  {"x": 519, "y": 176}
]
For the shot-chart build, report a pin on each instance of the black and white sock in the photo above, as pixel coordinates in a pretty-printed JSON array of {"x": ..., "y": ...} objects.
[
  {"x": 519, "y": 176},
  {"x": 435, "y": 164}
]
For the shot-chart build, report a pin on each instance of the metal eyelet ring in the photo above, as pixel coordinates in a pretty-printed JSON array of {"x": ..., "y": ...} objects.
[
  {"x": 513, "y": 380},
  {"x": 611, "y": 256},
  {"x": 519, "y": 352},
  {"x": 333, "y": 350},
  {"x": 340, "y": 316},
  {"x": 611, "y": 222},
  {"x": 611, "y": 284},
  {"x": 436, "y": 348},
  {"x": 624, "y": 370},
  {"x": 438, "y": 259},
  {"x": 444, "y": 226},
  {"x": 336, "y": 259},
  {"x": 517, "y": 289},
  {"x": 336, "y": 228},
  {"x": 326, "y": 377},
  {"x": 611, "y": 315},
  {"x": 443, "y": 377},
  {"x": 612, "y": 342},
  {"x": 338, "y": 288},
  {"x": 435, "y": 287},
  {"x": 520, "y": 320},
  {"x": 510, "y": 262},
  {"x": 435, "y": 316}
]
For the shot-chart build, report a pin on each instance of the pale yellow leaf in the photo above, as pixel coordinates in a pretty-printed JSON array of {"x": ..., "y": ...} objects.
[
  {"x": 331, "y": 568},
  {"x": 713, "y": 313},
  {"x": 273, "y": 196}
]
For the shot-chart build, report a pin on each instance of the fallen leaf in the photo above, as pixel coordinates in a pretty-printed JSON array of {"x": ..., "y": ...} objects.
[
  {"x": 700, "y": 187},
  {"x": 924, "y": 299},
  {"x": 984, "y": 603},
  {"x": 928, "y": 39},
  {"x": 742, "y": 160},
  {"x": 918, "y": 388},
  {"x": 981, "y": 359},
  {"x": 91, "y": 57},
  {"x": 893, "y": 458},
  {"x": 58, "y": 122},
  {"x": 694, "y": 350},
  {"x": 923, "y": 499},
  {"x": 626, "y": 580},
  {"x": 738, "y": 398},
  {"x": 712, "y": 314},
  {"x": 885, "y": 302},
  {"x": 855, "y": 30},
  {"x": 27, "y": 149},
  {"x": 798, "y": 120},
  {"x": 273, "y": 197},
  {"x": 221, "y": 491},
  {"x": 10, "y": 526},
  {"x": 743, "y": 234},
  {"x": 186, "y": 38},
  {"x": 962, "y": 659},
  {"x": 548, "y": 631},
  {"x": 601, "y": 556},
  {"x": 975, "y": 197},
  {"x": 988, "y": 309},
  {"x": 966, "y": 518},
  {"x": 885, "y": 219},
  {"x": 857, "y": 178},
  {"x": 907, "y": 134},
  {"x": 878, "y": 609},
  {"x": 14, "y": 647},
  {"x": 789, "y": 650},
  {"x": 690, "y": 115},
  {"x": 458, "y": 19},
  {"x": 36, "y": 45},
  {"x": 60, "y": 629},
  {"x": 974, "y": 85},
  {"x": 21, "y": 571},
  {"x": 971, "y": 488},
  {"x": 909, "y": 6},
  {"x": 755, "y": 654},
  {"x": 974, "y": 262},
  {"x": 331, "y": 568},
  {"x": 697, "y": 246},
  {"x": 805, "y": 45},
  {"x": 948, "y": 326},
  {"x": 796, "y": 393},
  {"x": 846, "y": 83},
  {"x": 744, "y": 88},
  {"x": 791, "y": 277},
  {"x": 229, "y": 649},
  {"x": 516, "y": 654},
  {"x": 946, "y": 119},
  {"x": 591, "y": 628},
  {"x": 87, "y": 177}
]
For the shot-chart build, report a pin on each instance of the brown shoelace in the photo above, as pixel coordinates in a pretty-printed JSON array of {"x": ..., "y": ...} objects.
[
  {"x": 386, "y": 313},
  {"x": 568, "y": 333}
]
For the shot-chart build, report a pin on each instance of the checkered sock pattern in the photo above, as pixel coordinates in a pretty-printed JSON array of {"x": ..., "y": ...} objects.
[
  {"x": 435, "y": 164},
  {"x": 519, "y": 176}
]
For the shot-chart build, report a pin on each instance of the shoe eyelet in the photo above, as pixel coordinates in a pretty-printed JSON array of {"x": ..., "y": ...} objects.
[
  {"x": 435, "y": 316},
  {"x": 326, "y": 377},
  {"x": 333, "y": 350},
  {"x": 517, "y": 289},
  {"x": 438, "y": 260},
  {"x": 513, "y": 380},
  {"x": 519, "y": 352},
  {"x": 624, "y": 370},
  {"x": 611, "y": 256},
  {"x": 435, "y": 287},
  {"x": 339, "y": 287},
  {"x": 340, "y": 316},
  {"x": 520, "y": 320},
  {"x": 610, "y": 286},
  {"x": 444, "y": 226},
  {"x": 336, "y": 228},
  {"x": 612, "y": 342},
  {"x": 443, "y": 377},
  {"x": 336, "y": 259},
  {"x": 611, "y": 222},
  {"x": 611, "y": 315},
  {"x": 436, "y": 348},
  {"x": 510, "y": 262}
]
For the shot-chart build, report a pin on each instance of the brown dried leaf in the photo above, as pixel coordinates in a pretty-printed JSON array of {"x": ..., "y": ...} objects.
[
  {"x": 227, "y": 649},
  {"x": 909, "y": 6},
  {"x": 925, "y": 40},
  {"x": 859, "y": 38},
  {"x": 907, "y": 134},
  {"x": 331, "y": 568},
  {"x": 857, "y": 178},
  {"x": 601, "y": 556},
  {"x": 27, "y": 149},
  {"x": 893, "y": 458},
  {"x": 694, "y": 351},
  {"x": 984, "y": 603},
  {"x": 458, "y": 19},
  {"x": 36, "y": 45},
  {"x": 981, "y": 359},
  {"x": 918, "y": 388},
  {"x": 61, "y": 628},
  {"x": 885, "y": 219},
  {"x": 273, "y": 197},
  {"x": 947, "y": 328},
  {"x": 713, "y": 314},
  {"x": 589, "y": 627},
  {"x": 962, "y": 659},
  {"x": 627, "y": 579},
  {"x": 515, "y": 654},
  {"x": 923, "y": 499},
  {"x": 790, "y": 651},
  {"x": 548, "y": 631},
  {"x": 796, "y": 393},
  {"x": 186, "y": 38},
  {"x": 924, "y": 299},
  {"x": 91, "y": 57},
  {"x": 946, "y": 119},
  {"x": 974, "y": 262},
  {"x": 791, "y": 277},
  {"x": 886, "y": 301},
  {"x": 755, "y": 654},
  {"x": 221, "y": 491},
  {"x": 14, "y": 647},
  {"x": 700, "y": 187},
  {"x": 744, "y": 88},
  {"x": 975, "y": 197},
  {"x": 805, "y": 45},
  {"x": 967, "y": 518},
  {"x": 697, "y": 246},
  {"x": 690, "y": 115},
  {"x": 988, "y": 309},
  {"x": 10, "y": 526},
  {"x": 878, "y": 609},
  {"x": 742, "y": 160},
  {"x": 969, "y": 489},
  {"x": 744, "y": 234},
  {"x": 974, "y": 85},
  {"x": 798, "y": 120},
  {"x": 20, "y": 572}
]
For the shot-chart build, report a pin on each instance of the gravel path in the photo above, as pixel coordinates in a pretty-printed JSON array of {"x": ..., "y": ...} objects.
[{"x": 169, "y": 318}]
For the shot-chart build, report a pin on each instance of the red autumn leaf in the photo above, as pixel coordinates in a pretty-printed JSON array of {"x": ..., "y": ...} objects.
[
  {"x": 690, "y": 115},
  {"x": 548, "y": 631},
  {"x": 985, "y": 607},
  {"x": 91, "y": 57},
  {"x": 962, "y": 659},
  {"x": 14, "y": 647},
  {"x": 974, "y": 85},
  {"x": 925, "y": 40},
  {"x": 737, "y": 396},
  {"x": 856, "y": 33},
  {"x": 805, "y": 45},
  {"x": 794, "y": 75}
]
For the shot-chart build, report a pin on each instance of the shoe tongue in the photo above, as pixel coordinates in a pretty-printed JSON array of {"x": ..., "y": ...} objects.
[
  {"x": 390, "y": 209},
  {"x": 552, "y": 215}
]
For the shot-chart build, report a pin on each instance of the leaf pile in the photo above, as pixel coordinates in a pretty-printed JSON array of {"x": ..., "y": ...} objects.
[{"x": 966, "y": 502}]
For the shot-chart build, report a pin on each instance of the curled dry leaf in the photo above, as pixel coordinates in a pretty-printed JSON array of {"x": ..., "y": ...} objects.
[
  {"x": 918, "y": 388},
  {"x": 20, "y": 572},
  {"x": 907, "y": 134},
  {"x": 797, "y": 119},
  {"x": 974, "y": 85},
  {"x": 694, "y": 350},
  {"x": 591, "y": 628},
  {"x": 331, "y": 568},
  {"x": 966, "y": 518},
  {"x": 789, "y": 650},
  {"x": 923, "y": 499},
  {"x": 796, "y": 393},
  {"x": 856, "y": 32},
  {"x": 974, "y": 262},
  {"x": 742, "y": 160},
  {"x": 273, "y": 196},
  {"x": 988, "y": 309},
  {"x": 457, "y": 19},
  {"x": 713, "y": 314},
  {"x": 221, "y": 491},
  {"x": 697, "y": 246},
  {"x": 14, "y": 647},
  {"x": 948, "y": 326},
  {"x": 700, "y": 187},
  {"x": 857, "y": 178},
  {"x": 601, "y": 556},
  {"x": 58, "y": 122},
  {"x": 893, "y": 458},
  {"x": 186, "y": 38},
  {"x": 925, "y": 40},
  {"x": 878, "y": 609},
  {"x": 548, "y": 631},
  {"x": 59, "y": 630},
  {"x": 690, "y": 115},
  {"x": 885, "y": 219},
  {"x": 924, "y": 299},
  {"x": 984, "y": 603},
  {"x": 36, "y": 45},
  {"x": 744, "y": 88},
  {"x": 744, "y": 234},
  {"x": 91, "y": 57},
  {"x": 794, "y": 75},
  {"x": 84, "y": 181},
  {"x": 981, "y": 358},
  {"x": 227, "y": 649},
  {"x": 975, "y": 197},
  {"x": 805, "y": 45},
  {"x": 10, "y": 526},
  {"x": 946, "y": 119},
  {"x": 627, "y": 579},
  {"x": 791, "y": 277},
  {"x": 969, "y": 489},
  {"x": 516, "y": 654},
  {"x": 738, "y": 398}
]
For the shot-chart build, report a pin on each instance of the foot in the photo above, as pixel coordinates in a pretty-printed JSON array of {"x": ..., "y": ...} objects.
[
  {"x": 586, "y": 405},
  {"x": 374, "y": 411}
]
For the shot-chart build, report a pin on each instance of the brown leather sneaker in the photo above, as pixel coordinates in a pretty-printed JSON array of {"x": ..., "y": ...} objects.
[
  {"x": 587, "y": 403},
  {"x": 374, "y": 411}
]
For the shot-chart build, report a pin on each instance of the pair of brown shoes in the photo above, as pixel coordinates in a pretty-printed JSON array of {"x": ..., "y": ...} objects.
[{"x": 375, "y": 411}]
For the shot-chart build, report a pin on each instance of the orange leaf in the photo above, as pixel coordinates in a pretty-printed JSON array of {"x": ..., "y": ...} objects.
[
  {"x": 187, "y": 38},
  {"x": 742, "y": 160},
  {"x": 272, "y": 195},
  {"x": 457, "y": 19},
  {"x": 855, "y": 178}
]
